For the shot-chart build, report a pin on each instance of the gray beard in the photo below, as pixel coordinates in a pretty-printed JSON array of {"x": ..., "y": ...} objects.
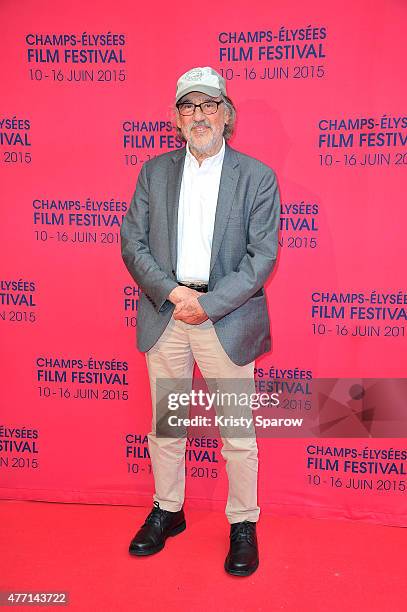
[{"x": 202, "y": 148}]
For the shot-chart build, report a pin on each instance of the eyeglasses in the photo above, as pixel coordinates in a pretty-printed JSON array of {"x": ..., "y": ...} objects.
[{"x": 207, "y": 108}]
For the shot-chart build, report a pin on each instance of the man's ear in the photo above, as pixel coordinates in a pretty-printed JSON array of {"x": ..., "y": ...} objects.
[{"x": 176, "y": 118}]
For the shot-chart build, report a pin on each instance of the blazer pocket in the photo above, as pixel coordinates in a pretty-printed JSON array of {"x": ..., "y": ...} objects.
[
  {"x": 236, "y": 213},
  {"x": 235, "y": 221}
]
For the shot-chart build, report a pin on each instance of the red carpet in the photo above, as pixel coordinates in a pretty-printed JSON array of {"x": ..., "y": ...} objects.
[{"x": 305, "y": 564}]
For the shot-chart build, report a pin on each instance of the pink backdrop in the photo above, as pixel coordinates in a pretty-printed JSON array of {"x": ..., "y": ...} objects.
[{"x": 86, "y": 96}]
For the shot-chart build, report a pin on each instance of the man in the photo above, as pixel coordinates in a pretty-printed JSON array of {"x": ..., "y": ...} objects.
[{"x": 200, "y": 240}]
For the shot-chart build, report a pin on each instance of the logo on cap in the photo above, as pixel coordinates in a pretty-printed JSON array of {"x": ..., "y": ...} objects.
[{"x": 194, "y": 75}]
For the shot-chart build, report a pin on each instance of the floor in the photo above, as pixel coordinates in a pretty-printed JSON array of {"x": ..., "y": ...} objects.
[{"x": 305, "y": 564}]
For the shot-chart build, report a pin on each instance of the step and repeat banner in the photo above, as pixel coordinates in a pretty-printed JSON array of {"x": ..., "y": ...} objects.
[{"x": 87, "y": 95}]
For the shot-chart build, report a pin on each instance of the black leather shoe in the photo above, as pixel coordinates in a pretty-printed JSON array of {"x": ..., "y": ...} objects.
[
  {"x": 158, "y": 525},
  {"x": 243, "y": 555}
]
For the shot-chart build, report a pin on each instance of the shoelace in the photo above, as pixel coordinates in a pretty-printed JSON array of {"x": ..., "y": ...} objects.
[
  {"x": 244, "y": 532},
  {"x": 156, "y": 515}
]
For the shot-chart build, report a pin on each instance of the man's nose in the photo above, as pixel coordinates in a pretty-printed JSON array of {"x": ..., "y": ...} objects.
[{"x": 198, "y": 112}]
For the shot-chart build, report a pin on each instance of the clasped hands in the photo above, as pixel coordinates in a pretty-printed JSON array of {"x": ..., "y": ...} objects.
[{"x": 187, "y": 308}]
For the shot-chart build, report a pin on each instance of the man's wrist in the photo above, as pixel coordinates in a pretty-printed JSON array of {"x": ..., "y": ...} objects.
[{"x": 171, "y": 297}]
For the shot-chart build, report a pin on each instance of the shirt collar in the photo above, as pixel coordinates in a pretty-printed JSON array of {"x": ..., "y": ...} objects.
[{"x": 208, "y": 162}]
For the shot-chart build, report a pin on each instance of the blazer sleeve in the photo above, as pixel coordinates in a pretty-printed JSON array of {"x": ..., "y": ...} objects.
[
  {"x": 238, "y": 286},
  {"x": 135, "y": 250}
]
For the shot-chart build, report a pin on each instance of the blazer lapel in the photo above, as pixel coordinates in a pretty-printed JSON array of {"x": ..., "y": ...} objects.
[
  {"x": 227, "y": 188},
  {"x": 173, "y": 191}
]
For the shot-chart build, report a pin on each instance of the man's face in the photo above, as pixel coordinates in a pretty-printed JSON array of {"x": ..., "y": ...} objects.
[{"x": 202, "y": 132}]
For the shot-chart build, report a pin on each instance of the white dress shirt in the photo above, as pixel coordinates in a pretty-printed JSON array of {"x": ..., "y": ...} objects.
[{"x": 196, "y": 215}]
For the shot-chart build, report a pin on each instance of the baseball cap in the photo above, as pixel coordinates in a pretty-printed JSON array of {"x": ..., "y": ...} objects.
[{"x": 205, "y": 80}]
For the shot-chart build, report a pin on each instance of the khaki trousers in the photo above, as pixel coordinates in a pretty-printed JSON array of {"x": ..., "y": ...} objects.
[{"x": 173, "y": 357}]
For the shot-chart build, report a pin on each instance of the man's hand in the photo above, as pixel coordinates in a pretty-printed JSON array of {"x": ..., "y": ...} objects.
[
  {"x": 190, "y": 311},
  {"x": 187, "y": 307},
  {"x": 182, "y": 293}
]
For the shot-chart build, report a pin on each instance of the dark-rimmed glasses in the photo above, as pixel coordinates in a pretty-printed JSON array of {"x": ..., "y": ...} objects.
[{"x": 207, "y": 108}]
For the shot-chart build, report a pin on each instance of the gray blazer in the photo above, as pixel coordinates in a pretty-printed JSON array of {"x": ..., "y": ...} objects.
[{"x": 244, "y": 250}]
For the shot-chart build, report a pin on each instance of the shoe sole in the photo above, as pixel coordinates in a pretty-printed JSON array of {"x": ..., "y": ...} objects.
[
  {"x": 242, "y": 572},
  {"x": 144, "y": 553}
]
